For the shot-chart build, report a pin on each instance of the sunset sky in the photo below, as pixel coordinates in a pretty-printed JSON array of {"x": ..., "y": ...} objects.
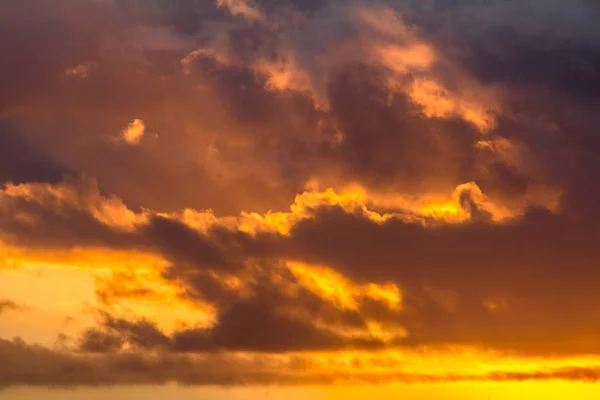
[{"x": 299, "y": 199}]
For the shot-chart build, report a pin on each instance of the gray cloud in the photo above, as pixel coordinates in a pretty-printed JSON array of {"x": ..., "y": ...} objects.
[{"x": 29, "y": 365}]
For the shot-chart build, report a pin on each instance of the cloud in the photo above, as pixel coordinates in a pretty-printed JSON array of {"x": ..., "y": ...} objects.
[
  {"x": 80, "y": 71},
  {"x": 270, "y": 318},
  {"x": 257, "y": 88},
  {"x": 21, "y": 162},
  {"x": 245, "y": 8},
  {"x": 38, "y": 366},
  {"x": 330, "y": 177},
  {"x": 134, "y": 132},
  {"x": 38, "y": 214},
  {"x": 8, "y": 305},
  {"x": 268, "y": 268}
]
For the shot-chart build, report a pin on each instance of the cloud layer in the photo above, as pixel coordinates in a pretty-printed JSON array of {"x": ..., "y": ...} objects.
[{"x": 303, "y": 179}]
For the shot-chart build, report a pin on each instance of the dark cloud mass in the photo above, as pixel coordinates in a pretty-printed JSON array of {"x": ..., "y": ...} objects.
[
  {"x": 322, "y": 175},
  {"x": 20, "y": 162},
  {"x": 385, "y": 140},
  {"x": 265, "y": 323},
  {"x": 38, "y": 366},
  {"x": 526, "y": 261}
]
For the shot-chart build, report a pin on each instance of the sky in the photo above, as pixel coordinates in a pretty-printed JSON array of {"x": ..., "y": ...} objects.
[{"x": 290, "y": 199}]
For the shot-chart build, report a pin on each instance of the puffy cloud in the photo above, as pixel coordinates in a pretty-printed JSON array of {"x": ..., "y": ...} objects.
[{"x": 134, "y": 132}]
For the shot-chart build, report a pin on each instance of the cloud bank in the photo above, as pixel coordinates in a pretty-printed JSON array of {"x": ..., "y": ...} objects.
[{"x": 329, "y": 178}]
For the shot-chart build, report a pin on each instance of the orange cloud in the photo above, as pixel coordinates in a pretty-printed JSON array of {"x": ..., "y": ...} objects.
[
  {"x": 134, "y": 132},
  {"x": 436, "y": 101},
  {"x": 135, "y": 368},
  {"x": 81, "y": 71},
  {"x": 339, "y": 290},
  {"x": 244, "y": 8},
  {"x": 403, "y": 52}
]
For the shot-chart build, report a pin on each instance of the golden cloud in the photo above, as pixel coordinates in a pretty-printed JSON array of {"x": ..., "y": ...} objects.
[{"x": 134, "y": 132}]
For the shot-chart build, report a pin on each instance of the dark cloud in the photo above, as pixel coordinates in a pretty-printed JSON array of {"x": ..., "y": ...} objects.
[
  {"x": 70, "y": 217},
  {"x": 248, "y": 326},
  {"x": 134, "y": 71},
  {"x": 50, "y": 222},
  {"x": 96, "y": 341},
  {"x": 249, "y": 43},
  {"x": 385, "y": 141},
  {"x": 563, "y": 68},
  {"x": 7, "y": 305},
  {"x": 20, "y": 162},
  {"x": 30, "y": 365},
  {"x": 253, "y": 326},
  {"x": 526, "y": 261},
  {"x": 180, "y": 242},
  {"x": 185, "y": 17},
  {"x": 388, "y": 142},
  {"x": 143, "y": 334},
  {"x": 274, "y": 317}
]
